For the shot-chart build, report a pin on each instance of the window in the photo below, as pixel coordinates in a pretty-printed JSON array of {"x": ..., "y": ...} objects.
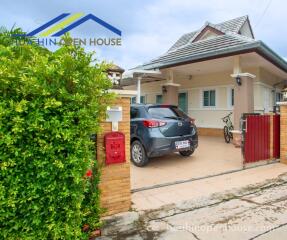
[
  {"x": 159, "y": 99},
  {"x": 279, "y": 97},
  {"x": 134, "y": 113},
  {"x": 166, "y": 112},
  {"x": 209, "y": 98},
  {"x": 232, "y": 97},
  {"x": 162, "y": 112},
  {"x": 142, "y": 99},
  {"x": 133, "y": 100}
]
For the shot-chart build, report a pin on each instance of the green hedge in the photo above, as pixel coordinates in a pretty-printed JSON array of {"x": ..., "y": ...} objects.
[{"x": 50, "y": 103}]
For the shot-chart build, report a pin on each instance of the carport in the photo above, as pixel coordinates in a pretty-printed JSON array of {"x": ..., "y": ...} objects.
[{"x": 212, "y": 157}]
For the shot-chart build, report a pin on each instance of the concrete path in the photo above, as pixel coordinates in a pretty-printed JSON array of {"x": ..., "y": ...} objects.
[{"x": 251, "y": 211}]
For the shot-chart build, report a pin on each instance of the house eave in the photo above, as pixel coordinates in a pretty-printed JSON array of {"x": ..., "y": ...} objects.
[{"x": 266, "y": 52}]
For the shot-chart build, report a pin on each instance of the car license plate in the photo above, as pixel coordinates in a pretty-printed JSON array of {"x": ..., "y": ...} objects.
[{"x": 182, "y": 144}]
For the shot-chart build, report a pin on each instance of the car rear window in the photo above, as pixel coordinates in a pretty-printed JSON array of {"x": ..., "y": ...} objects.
[
  {"x": 134, "y": 113},
  {"x": 179, "y": 112},
  {"x": 165, "y": 112}
]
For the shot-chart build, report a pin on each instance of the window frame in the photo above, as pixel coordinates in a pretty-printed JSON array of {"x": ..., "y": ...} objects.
[
  {"x": 143, "y": 97},
  {"x": 215, "y": 99},
  {"x": 281, "y": 96},
  {"x": 156, "y": 98},
  {"x": 132, "y": 111},
  {"x": 229, "y": 97},
  {"x": 133, "y": 100}
]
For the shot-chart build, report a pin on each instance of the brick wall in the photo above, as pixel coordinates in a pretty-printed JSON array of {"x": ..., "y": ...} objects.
[
  {"x": 212, "y": 132},
  {"x": 115, "y": 179},
  {"x": 283, "y": 134}
]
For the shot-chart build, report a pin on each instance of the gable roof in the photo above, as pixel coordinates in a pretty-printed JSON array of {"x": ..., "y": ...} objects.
[
  {"x": 233, "y": 25},
  {"x": 230, "y": 42},
  {"x": 208, "y": 29}
]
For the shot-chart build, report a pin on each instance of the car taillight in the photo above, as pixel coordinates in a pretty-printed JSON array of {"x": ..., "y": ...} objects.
[{"x": 153, "y": 123}]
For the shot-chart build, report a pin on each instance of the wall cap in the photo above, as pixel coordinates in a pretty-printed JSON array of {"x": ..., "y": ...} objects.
[
  {"x": 243, "y": 75},
  {"x": 124, "y": 93},
  {"x": 236, "y": 131},
  {"x": 171, "y": 84},
  {"x": 281, "y": 103}
]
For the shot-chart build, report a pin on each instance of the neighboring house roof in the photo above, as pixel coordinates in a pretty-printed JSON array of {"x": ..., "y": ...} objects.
[
  {"x": 229, "y": 38},
  {"x": 115, "y": 68}
]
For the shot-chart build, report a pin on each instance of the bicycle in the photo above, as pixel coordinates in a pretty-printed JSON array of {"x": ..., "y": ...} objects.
[{"x": 227, "y": 128}]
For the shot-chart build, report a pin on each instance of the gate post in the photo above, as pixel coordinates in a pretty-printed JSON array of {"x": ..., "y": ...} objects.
[
  {"x": 283, "y": 132},
  {"x": 243, "y": 101},
  {"x": 115, "y": 186}
]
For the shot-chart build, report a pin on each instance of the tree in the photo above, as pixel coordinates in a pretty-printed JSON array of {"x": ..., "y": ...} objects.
[{"x": 50, "y": 104}]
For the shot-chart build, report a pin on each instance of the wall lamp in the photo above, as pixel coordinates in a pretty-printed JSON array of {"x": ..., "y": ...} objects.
[
  {"x": 238, "y": 80},
  {"x": 164, "y": 90}
]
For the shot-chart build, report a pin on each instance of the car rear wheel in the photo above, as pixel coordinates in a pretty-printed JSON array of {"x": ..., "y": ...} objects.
[
  {"x": 138, "y": 154},
  {"x": 187, "y": 153}
]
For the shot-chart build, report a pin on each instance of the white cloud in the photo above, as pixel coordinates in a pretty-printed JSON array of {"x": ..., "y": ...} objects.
[
  {"x": 150, "y": 27},
  {"x": 166, "y": 20}
]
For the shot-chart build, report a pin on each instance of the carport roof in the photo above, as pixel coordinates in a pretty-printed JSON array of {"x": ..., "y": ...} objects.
[{"x": 229, "y": 42}]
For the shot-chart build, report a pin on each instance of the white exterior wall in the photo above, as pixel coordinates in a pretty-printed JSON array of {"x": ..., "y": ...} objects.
[
  {"x": 222, "y": 83},
  {"x": 263, "y": 97}
]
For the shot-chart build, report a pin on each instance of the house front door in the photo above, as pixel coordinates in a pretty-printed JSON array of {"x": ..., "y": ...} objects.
[{"x": 182, "y": 102}]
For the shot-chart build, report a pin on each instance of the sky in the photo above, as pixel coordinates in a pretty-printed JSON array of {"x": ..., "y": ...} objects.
[{"x": 150, "y": 27}]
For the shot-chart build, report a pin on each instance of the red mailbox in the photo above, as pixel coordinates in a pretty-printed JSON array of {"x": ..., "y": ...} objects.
[{"x": 115, "y": 148}]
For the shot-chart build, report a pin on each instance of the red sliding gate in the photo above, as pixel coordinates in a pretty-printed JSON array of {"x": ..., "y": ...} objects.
[
  {"x": 261, "y": 138},
  {"x": 276, "y": 136}
]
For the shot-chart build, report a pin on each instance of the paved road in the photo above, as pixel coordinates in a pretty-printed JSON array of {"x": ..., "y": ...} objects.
[{"x": 254, "y": 212}]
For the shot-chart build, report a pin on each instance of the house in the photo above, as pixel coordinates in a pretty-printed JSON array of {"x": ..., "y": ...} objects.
[{"x": 218, "y": 69}]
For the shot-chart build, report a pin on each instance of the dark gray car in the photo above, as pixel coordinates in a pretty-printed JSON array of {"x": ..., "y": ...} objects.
[{"x": 158, "y": 130}]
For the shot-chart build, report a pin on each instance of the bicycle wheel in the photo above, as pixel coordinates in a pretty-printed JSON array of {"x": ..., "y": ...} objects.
[{"x": 226, "y": 134}]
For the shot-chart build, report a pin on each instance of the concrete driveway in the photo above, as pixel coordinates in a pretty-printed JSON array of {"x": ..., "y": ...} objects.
[
  {"x": 253, "y": 211},
  {"x": 213, "y": 156}
]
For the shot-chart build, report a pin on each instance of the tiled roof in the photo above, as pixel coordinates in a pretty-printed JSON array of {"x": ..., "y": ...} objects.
[
  {"x": 115, "y": 68},
  {"x": 184, "y": 39},
  {"x": 185, "y": 50},
  {"x": 185, "y": 47},
  {"x": 200, "y": 48},
  {"x": 232, "y": 25}
]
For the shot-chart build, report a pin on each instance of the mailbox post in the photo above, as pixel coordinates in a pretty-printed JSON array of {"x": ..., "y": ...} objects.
[
  {"x": 115, "y": 141},
  {"x": 113, "y": 155},
  {"x": 115, "y": 148},
  {"x": 114, "y": 115}
]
